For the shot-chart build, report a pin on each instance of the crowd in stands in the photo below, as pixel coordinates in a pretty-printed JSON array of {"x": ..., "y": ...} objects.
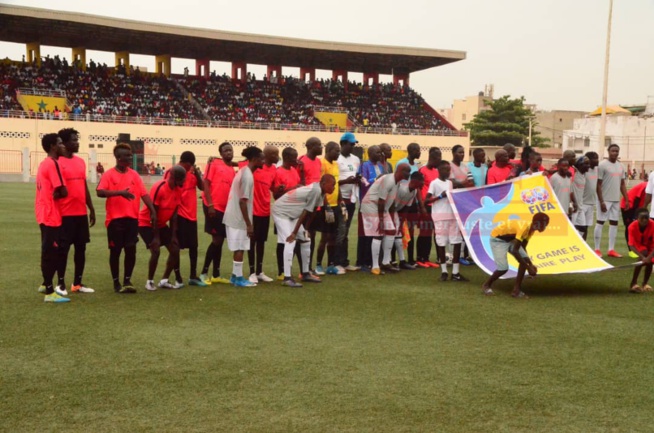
[{"x": 103, "y": 90}]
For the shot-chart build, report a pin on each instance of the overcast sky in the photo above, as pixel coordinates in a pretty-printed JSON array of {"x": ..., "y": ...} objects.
[{"x": 550, "y": 51}]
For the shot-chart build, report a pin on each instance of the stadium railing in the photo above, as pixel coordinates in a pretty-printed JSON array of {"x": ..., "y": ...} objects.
[
  {"x": 29, "y": 91},
  {"x": 36, "y": 157},
  {"x": 11, "y": 161},
  {"x": 16, "y": 114}
]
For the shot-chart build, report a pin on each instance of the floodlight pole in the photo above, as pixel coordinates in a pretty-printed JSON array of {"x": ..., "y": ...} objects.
[{"x": 600, "y": 149}]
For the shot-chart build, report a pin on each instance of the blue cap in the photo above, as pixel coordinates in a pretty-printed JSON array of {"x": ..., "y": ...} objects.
[{"x": 349, "y": 137}]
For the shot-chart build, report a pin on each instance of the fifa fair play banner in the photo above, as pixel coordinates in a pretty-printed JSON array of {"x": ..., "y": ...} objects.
[{"x": 558, "y": 250}]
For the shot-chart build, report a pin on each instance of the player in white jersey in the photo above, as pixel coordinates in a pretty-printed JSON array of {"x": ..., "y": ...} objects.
[{"x": 610, "y": 185}]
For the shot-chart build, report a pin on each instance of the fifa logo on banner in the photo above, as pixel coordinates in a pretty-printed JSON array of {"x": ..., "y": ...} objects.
[{"x": 537, "y": 199}]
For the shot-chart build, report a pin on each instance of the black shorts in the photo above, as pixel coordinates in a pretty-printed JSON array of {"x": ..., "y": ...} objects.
[
  {"x": 147, "y": 234},
  {"x": 75, "y": 230},
  {"x": 50, "y": 239},
  {"x": 123, "y": 232},
  {"x": 187, "y": 233},
  {"x": 214, "y": 226},
  {"x": 261, "y": 226},
  {"x": 326, "y": 227}
]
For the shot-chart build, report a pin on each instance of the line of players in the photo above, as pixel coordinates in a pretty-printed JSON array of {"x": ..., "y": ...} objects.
[
  {"x": 237, "y": 207},
  {"x": 311, "y": 195}
]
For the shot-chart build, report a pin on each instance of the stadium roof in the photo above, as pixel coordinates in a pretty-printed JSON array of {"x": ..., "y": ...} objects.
[{"x": 69, "y": 29}]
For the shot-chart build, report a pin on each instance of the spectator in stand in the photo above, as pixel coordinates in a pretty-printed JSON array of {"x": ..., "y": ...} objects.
[{"x": 501, "y": 169}]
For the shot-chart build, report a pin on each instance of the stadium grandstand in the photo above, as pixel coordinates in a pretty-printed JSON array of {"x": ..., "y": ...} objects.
[{"x": 104, "y": 101}]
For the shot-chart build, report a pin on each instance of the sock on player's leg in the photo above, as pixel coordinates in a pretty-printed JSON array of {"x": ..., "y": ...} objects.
[
  {"x": 305, "y": 252},
  {"x": 613, "y": 233},
  {"x": 387, "y": 246},
  {"x": 289, "y": 250},
  {"x": 597, "y": 234},
  {"x": 238, "y": 269},
  {"x": 375, "y": 250},
  {"x": 399, "y": 248}
]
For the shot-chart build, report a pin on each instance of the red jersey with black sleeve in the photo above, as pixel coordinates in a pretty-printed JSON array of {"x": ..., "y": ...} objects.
[
  {"x": 73, "y": 170},
  {"x": 188, "y": 207},
  {"x": 312, "y": 169},
  {"x": 430, "y": 174},
  {"x": 46, "y": 208},
  {"x": 642, "y": 240},
  {"x": 263, "y": 182},
  {"x": 287, "y": 177},
  {"x": 221, "y": 177},
  {"x": 165, "y": 200},
  {"x": 118, "y": 206},
  {"x": 636, "y": 197}
]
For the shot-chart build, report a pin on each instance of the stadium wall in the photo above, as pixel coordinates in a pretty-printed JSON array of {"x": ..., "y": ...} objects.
[{"x": 164, "y": 143}]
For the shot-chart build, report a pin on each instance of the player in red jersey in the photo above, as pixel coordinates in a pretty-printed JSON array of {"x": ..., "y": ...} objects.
[
  {"x": 218, "y": 178},
  {"x": 166, "y": 197},
  {"x": 310, "y": 167},
  {"x": 287, "y": 179},
  {"x": 641, "y": 242},
  {"x": 75, "y": 223},
  {"x": 264, "y": 178},
  {"x": 426, "y": 236},
  {"x": 50, "y": 190},
  {"x": 121, "y": 186},
  {"x": 187, "y": 217}
]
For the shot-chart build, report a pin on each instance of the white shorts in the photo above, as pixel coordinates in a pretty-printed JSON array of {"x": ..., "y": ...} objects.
[
  {"x": 584, "y": 216},
  {"x": 612, "y": 211},
  {"x": 237, "y": 239},
  {"x": 371, "y": 224},
  {"x": 447, "y": 231},
  {"x": 285, "y": 227}
]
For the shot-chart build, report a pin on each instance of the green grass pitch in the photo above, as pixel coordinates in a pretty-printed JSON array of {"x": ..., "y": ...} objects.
[{"x": 357, "y": 353}]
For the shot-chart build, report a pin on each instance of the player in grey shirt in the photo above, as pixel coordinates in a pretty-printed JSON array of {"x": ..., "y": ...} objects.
[
  {"x": 562, "y": 185},
  {"x": 289, "y": 212},
  {"x": 581, "y": 167},
  {"x": 376, "y": 209},
  {"x": 406, "y": 196},
  {"x": 610, "y": 185},
  {"x": 238, "y": 213}
]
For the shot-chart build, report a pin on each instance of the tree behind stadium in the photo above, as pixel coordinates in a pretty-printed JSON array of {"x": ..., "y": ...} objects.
[{"x": 507, "y": 121}]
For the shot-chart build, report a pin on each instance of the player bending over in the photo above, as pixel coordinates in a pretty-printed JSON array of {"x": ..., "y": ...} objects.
[
  {"x": 512, "y": 238},
  {"x": 291, "y": 213},
  {"x": 166, "y": 197},
  {"x": 641, "y": 242}
]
